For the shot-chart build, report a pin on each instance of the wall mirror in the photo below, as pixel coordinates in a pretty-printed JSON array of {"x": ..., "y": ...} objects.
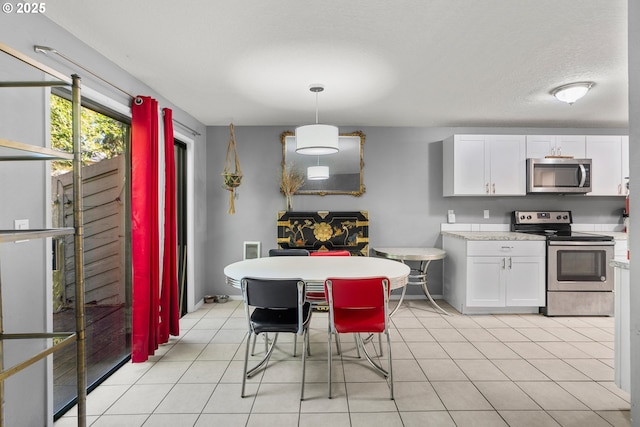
[{"x": 345, "y": 166}]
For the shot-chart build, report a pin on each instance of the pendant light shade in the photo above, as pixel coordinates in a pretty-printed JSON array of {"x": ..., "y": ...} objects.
[
  {"x": 572, "y": 92},
  {"x": 317, "y": 139},
  {"x": 317, "y": 172}
]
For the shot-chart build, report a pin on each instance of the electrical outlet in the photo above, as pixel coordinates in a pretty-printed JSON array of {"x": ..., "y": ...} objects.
[
  {"x": 451, "y": 216},
  {"x": 486, "y": 213}
]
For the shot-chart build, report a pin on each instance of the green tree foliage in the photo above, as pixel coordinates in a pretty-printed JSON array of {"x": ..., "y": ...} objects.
[{"x": 102, "y": 136}]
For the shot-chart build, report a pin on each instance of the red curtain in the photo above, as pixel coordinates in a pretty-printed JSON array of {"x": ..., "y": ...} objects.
[
  {"x": 147, "y": 305},
  {"x": 169, "y": 310}
]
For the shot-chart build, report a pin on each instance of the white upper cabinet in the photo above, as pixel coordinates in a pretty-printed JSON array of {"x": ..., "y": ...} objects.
[
  {"x": 610, "y": 167},
  {"x": 484, "y": 165},
  {"x": 540, "y": 146}
]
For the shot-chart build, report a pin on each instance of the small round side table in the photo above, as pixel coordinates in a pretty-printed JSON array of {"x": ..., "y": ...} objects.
[{"x": 418, "y": 276}]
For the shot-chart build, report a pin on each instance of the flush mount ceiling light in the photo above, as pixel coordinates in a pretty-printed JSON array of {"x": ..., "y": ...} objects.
[
  {"x": 316, "y": 139},
  {"x": 572, "y": 92}
]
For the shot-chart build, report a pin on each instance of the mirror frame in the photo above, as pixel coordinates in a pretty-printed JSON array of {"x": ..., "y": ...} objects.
[{"x": 359, "y": 192}]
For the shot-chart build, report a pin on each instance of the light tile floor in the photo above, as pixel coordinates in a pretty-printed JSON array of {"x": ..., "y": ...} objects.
[{"x": 493, "y": 370}]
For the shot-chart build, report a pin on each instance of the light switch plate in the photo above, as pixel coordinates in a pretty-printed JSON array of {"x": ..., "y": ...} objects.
[
  {"x": 20, "y": 224},
  {"x": 451, "y": 216},
  {"x": 486, "y": 213}
]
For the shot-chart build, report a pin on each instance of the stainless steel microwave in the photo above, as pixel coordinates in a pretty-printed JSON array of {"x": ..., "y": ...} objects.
[{"x": 558, "y": 175}]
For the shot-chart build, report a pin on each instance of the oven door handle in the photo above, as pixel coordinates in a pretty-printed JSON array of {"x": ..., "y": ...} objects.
[
  {"x": 581, "y": 243},
  {"x": 583, "y": 175}
]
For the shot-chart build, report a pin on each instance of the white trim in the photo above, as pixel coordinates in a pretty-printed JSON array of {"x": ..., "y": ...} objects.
[
  {"x": 191, "y": 179},
  {"x": 105, "y": 101}
]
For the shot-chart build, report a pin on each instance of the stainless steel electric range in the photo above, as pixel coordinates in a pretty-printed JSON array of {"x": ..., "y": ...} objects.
[{"x": 579, "y": 277}]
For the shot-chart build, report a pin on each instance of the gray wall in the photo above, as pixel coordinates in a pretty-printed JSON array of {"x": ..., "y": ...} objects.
[
  {"x": 403, "y": 179},
  {"x": 22, "y": 264},
  {"x": 634, "y": 156},
  {"x": 24, "y": 117}
]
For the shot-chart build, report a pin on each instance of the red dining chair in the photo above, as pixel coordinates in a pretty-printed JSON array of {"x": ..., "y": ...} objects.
[
  {"x": 359, "y": 305},
  {"x": 317, "y": 297},
  {"x": 331, "y": 253}
]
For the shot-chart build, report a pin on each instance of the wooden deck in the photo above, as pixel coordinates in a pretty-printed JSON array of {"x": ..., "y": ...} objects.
[{"x": 107, "y": 342}]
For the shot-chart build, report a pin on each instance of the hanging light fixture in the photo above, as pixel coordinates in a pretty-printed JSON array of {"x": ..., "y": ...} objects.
[
  {"x": 316, "y": 139},
  {"x": 317, "y": 173},
  {"x": 571, "y": 92}
]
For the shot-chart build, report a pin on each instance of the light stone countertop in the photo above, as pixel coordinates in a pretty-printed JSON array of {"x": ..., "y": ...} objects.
[
  {"x": 493, "y": 235},
  {"x": 622, "y": 263}
]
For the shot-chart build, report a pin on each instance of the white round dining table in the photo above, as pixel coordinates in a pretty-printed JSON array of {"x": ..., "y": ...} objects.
[{"x": 315, "y": 270}]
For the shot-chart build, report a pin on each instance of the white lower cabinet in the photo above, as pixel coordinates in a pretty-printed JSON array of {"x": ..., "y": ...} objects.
[{"x": 494, "y": 276}]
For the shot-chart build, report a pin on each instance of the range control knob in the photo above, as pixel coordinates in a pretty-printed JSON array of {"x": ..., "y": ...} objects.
[
  {"x": 521, "y": 216},
  {"x": 559, "y": 217},
  {"x": 565, "y": 217},
  {"x": 528, "y": 216}
]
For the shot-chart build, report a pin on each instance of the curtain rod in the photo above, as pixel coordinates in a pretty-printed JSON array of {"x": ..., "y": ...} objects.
[
  {"x": 47, "y": 49},
  {"x": 194, "y": 132}
]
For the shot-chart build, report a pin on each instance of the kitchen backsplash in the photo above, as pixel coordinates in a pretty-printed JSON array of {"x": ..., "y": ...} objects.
[{"x": 506, "y": 227}]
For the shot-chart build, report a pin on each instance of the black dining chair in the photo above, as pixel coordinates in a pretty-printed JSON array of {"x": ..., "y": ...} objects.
[
  {"x": 272, "y": 253},
  {"x": 275, "y": 306},
  {"x": 289, "y": 252}
]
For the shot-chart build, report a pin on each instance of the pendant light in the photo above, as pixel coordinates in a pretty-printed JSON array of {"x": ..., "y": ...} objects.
[
  {"x": 317, "y": 139},
  {"x": 317, "y": 173},
  {"x": 571, "y": 92}
]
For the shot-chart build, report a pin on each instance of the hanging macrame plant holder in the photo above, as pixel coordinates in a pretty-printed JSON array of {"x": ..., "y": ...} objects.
[{"x": 233, "y": 178}]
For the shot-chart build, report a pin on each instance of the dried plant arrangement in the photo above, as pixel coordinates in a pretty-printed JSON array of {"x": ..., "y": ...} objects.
[{"x": 291, "y": 181}]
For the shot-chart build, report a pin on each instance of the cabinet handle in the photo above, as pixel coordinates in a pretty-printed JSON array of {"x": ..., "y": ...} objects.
[
  {"x": 504, "y": 263},
  {"x": 486, "y": 188},
  {"x": 619, "y": 188},
  {"x": 510, "y": 263},
  {"x": 494, "y": 188}
]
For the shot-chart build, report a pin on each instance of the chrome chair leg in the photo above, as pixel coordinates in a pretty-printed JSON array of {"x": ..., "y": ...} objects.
[
  {"x": 246, "y": 363},
  {"x": 330, "y": 357},
  {"x": 390, "y": 364},
  {"x": 305, "y": 347},
  {"x": 295, "y": 344},
  {"x": 263, "y": 363}
]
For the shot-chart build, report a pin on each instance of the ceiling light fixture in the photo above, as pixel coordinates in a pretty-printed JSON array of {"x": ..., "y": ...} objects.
[
  {"x": 316, "y": 139},
  {"x": 571, "y": 92}
]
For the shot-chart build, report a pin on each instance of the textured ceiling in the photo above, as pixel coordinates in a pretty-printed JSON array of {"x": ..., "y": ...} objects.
[{"x": 383, "y": 63}]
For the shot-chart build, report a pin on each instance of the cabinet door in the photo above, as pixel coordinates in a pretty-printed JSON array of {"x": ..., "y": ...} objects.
[
  {"x": 525, "y": 283},
  {"x": 508, "y": 165},
  {"x": 485, "y": 281},
  {"x": 606, "y": 155},
  {"x": 539, "y": 146},
  {"x": 571, "y": 145},
  {"x": 625, "y": 164},
  {"x": 470, "y": 176}
]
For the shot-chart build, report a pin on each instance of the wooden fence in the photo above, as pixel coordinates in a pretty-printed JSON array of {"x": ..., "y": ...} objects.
[{"x": 104, "y": 204}]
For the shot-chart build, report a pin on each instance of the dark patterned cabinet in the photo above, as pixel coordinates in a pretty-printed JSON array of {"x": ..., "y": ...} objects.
[{"x": 325, "y": 231}]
